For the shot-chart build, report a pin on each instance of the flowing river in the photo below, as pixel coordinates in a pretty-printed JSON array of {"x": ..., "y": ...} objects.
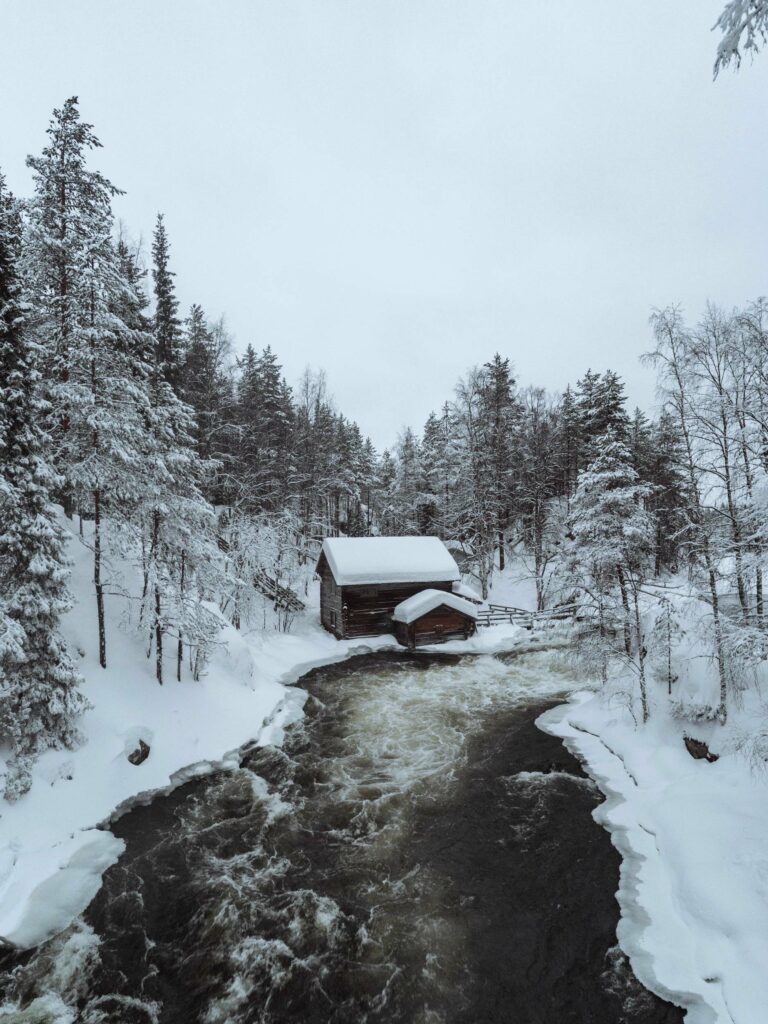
[{"x": 416, "y": 852}]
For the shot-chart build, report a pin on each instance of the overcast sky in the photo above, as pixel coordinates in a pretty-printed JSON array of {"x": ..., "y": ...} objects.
[{"x": 396, "y": 189}]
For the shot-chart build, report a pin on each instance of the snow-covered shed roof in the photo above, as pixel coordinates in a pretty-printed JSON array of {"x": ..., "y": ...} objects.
[
  {"x": 426, "y": 601},
  {"x": 356, "y": 561}
]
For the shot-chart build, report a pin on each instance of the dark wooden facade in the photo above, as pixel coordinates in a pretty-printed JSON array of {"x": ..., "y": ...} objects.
[
  {"x": 353, "y": 611},
  {"x": 435, "y": 626}
]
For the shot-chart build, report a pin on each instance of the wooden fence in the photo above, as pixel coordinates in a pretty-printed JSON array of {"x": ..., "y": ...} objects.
[{"x": 498, "y": 613}]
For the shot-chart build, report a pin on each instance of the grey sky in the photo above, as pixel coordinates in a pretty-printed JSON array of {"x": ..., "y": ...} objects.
[{"x": 395, "y": 189}]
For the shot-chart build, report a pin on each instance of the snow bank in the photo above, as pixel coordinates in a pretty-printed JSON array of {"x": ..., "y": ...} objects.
[
  {"x": 355, "y": 561},
  {"x": 426, "y": 601},
  {"x": 54, "y": 847},
  {"x": 464, "y": 590},
  {"x": 694, "y": 843}
]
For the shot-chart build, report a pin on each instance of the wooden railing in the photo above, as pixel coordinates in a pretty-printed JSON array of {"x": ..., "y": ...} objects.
[
  {"x": 494, "y": 614},
  {"x": 283, "y": 597}
]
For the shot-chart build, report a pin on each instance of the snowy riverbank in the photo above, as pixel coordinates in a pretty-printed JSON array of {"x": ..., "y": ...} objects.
[
  {"x": 694, "y": 840},
  {"x": 52, "y": 850},
  {"x": 54, "y": 841}
]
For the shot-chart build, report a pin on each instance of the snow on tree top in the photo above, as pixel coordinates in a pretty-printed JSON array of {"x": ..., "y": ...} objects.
[
  {"x": 356, "y": 561},
  {"x": 426, "y": 601}
]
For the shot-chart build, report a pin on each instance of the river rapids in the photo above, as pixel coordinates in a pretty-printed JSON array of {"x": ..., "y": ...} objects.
[{"x": 417, "y": 851}]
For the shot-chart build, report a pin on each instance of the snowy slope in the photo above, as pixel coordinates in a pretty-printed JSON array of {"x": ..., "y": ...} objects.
[{"x": 52, "y": 852}]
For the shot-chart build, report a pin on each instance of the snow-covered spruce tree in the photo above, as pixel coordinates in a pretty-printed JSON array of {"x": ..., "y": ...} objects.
[
  {"x": 500, "y": 415},
  {"x": 569, "y": 442},
  {"x": 176, "y": 525},
  {"x": 668, "y": 500},
  {"x": 600, "y": 405},
  {"x": 207, "y": 388},
  {"x": 407, "y": 484},
  {"x": 266, "y": 420},
  {"x": 539, "y": 474},
  {"x": 39, "y": 697},
  {"x": 612, "y": 537},
  {"x": 167, "y": 326},
  {"x": 485, "y": 410},
  {"x": 96, "y": 377}
]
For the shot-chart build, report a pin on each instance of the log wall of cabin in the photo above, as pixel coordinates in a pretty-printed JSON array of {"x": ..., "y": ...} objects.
[
  {"x": 331, "y": 604},
  {"x": 367, "y": 611}
]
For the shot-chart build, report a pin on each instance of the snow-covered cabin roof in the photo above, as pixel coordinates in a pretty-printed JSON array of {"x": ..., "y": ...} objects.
[
  {"x": 426, "y": 601},
  {"x": 464, "y": 590},
  {"x": 356, "y": 561}
]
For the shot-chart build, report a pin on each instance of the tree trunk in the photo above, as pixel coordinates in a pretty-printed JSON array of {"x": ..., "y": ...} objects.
[
  {"x": 180, "y": 648},
  {"x": 669, "y": 650},
  {"x": 759, "y": 597},
  {"x": 97, "y": 577},
  {"x": 603, "y": 659},
  {"x": 501, "y": 551},
  {"x": 641, "y": 653},
  {"x": 722, "y": 711},
  {"x": 625, "y": 603},
  {"x": 158, "y": 639},
  {"x": 738, "y": 554}
]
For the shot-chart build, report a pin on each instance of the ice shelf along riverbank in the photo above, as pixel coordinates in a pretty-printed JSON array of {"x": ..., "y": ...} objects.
[{"x": 693, "y": 837}]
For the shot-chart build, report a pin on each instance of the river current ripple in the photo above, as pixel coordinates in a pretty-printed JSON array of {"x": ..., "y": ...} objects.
[{"x": 416, "y": 852}]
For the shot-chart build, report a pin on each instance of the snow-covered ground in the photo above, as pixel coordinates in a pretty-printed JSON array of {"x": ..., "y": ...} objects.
[
  {"x": 694, "y": 842},
  {"x": 52, "y": 850}
]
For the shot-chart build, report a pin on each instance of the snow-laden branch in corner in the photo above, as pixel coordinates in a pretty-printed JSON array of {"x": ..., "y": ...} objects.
[{"x": 744, "y": 24}]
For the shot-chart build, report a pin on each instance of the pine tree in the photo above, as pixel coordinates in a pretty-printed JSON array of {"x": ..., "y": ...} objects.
[
  {"x": 39, "y": 697},
  {"x": 207, "y": 388},
  {"x": 668, "y": 499},
  {"x": 640, "y": 441},
  {"x": 167, "y": 326},
  {"x": 89, "y": 317},
  {"x": 601, "y": 410},
  {"x": 539, "y": 478},
  {"x": 407, "y": 484},
  {"x": 499, "y": 414},
  {"x": 610, "y": 413},
  {"x": 569, "y": 442}
]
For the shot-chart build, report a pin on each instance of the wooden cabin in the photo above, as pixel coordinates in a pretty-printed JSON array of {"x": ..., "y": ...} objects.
[
  {"x": 363, "y": 580},
  {"x": 432, "y": 617}
]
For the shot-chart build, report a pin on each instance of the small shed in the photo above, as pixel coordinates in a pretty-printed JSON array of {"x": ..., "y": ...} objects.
[
  {"x": 363, "y": 579},
  {"x": 432, "y": 616}
]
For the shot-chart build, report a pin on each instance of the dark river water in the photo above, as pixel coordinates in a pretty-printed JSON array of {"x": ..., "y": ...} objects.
[{"x": 416, "y": 852}]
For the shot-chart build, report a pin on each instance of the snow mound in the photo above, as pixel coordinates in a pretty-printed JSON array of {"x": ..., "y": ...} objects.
[{"x": 52, "y": 885}]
